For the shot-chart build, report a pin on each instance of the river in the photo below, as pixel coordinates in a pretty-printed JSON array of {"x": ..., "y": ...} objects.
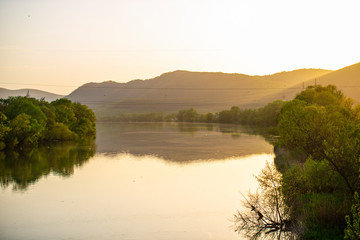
[{"x": 137, "y": 181}]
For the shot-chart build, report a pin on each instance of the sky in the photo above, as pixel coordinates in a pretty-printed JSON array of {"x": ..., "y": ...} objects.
[{"x": 58, "y": 46}]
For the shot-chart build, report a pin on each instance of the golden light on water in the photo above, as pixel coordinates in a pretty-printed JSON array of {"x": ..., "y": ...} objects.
[{"x": 135, "y": 197}]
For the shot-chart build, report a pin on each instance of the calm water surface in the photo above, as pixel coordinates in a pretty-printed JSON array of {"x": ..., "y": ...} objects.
[{"x": 144, "y": 181}]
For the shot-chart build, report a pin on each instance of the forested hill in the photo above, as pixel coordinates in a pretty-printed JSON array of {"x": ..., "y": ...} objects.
[{"x": 205, "y": 91}]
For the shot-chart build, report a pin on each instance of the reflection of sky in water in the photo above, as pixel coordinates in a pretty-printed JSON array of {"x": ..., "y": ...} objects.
[{"x": 131, "y": 197}]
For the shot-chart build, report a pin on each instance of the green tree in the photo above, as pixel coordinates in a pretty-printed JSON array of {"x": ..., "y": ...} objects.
[
  {"x": 322, "y": 126},
  {"x": 4, "y": 129},
  {"x": 324, "y": 133},
  {"x": 323, "y": 96},
  {"x": 352, "y": 230},
  {"x": 209, "y": 117},
  {"x": 64, "y": 111},
  {"x": 84, "y": 124},
  {"x": 29, "y": 106},
  {"x": 27, "y": 121},
  {"x": 187, "y": 115},
  {"x": 24, "y": 130}
]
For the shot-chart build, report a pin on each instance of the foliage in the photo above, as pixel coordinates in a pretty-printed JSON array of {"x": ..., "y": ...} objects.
[
  {"x": 27, "y": 121},
  {"x": 187, "y": 115},
  {"x": 352, "y": 230},
  {"x": 4, "y": 129},
  {"x": 318, "y": 154},
  {"x": 265, "y": 116},
  {"x": 323, "y": 126}
]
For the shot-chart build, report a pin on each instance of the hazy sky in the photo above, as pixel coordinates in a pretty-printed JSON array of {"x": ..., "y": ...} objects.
[{"x": 59, "y": 45}]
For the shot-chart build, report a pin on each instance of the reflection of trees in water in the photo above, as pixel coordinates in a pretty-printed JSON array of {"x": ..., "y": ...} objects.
[
  {"x": 179, "y": 141},
  {"x": 26, "y": 167},
  {"x": 234, "y": 130},
  {"x": 189, "y": 128},
  {"x": 266, "y": 216}
]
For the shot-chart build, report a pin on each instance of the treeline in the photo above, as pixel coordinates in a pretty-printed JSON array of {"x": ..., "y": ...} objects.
[
  {"x": 265, "y": 116},
  {"x": 321, "y": 130},
  {"x": 27, "y": 121}
]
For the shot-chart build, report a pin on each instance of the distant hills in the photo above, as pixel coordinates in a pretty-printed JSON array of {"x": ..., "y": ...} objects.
[
  {"x": 38, "y": 94},
  {"x": 204, "y": 91}
]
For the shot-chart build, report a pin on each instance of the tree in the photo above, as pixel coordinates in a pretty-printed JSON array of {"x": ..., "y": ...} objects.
[
  {"x": 27, "y": 121},
  {"x": 352, "y": 230},
  {"x": 323, "y": 96},
  {"x": 4, "y": 129},
  {"x": 84, "y": 125},
  {"x": 209, "y": 117},
  {"x": 187, "y": 115},
  {"x": 323, "y": 133},
  {"x": 64, "y": 111},
  {"x": 24, "y": 131},
  {"x": 323, "y": 127}
]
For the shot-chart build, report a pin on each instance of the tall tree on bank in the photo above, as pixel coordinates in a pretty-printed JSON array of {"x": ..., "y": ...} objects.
[{"x": 322, "y": 128}]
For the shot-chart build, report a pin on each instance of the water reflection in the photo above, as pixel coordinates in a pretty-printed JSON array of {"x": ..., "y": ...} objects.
[
  {"x": 172, "y": 142},
  {"x": 179, "y": 142},
  {"x": 133, "y": 197},
  {"x": 144, "y": 181},
  {"x": 26, "y": 167}
]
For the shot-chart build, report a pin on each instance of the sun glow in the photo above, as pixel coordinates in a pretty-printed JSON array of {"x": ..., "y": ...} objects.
[{"x": 59, "y": 45}]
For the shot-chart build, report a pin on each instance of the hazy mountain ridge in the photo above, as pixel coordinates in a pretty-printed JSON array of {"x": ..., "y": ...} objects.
[
  {"x": 205, "y": 91},
  {"x": 290, "y": 78},
  {"x": 347, "y": 79},
  {"x": 172, "y": 91},
  {"x": 38, "y": 94}
]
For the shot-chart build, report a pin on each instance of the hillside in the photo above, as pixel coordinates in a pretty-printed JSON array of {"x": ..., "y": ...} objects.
[
  {"x": 347, "y": 79},
  {"x": 38, "y": 94},
  {"x": 170, "y": 92},
  {"x": 291, "y": 78}
]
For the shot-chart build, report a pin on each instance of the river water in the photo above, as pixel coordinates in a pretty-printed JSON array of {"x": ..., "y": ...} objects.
[{"x": 138, "y": 181}]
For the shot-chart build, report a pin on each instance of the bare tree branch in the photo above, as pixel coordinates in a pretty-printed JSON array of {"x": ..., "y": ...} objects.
[{"x": 265, "y": 215}]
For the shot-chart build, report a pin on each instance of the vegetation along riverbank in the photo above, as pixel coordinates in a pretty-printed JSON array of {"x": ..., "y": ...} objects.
[
  {"x": 26, "y": 122},
  {"x": 315, "y": 196}
]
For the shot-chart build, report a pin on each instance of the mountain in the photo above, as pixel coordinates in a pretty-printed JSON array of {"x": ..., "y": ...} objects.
[
  {"x": 172, "y": 91},
  {"x": 291, "y": 78},
  {"x": 347, "y": 79},
  {"x": 38, "y": 94},
  {"x": 204, "y": 91}
]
